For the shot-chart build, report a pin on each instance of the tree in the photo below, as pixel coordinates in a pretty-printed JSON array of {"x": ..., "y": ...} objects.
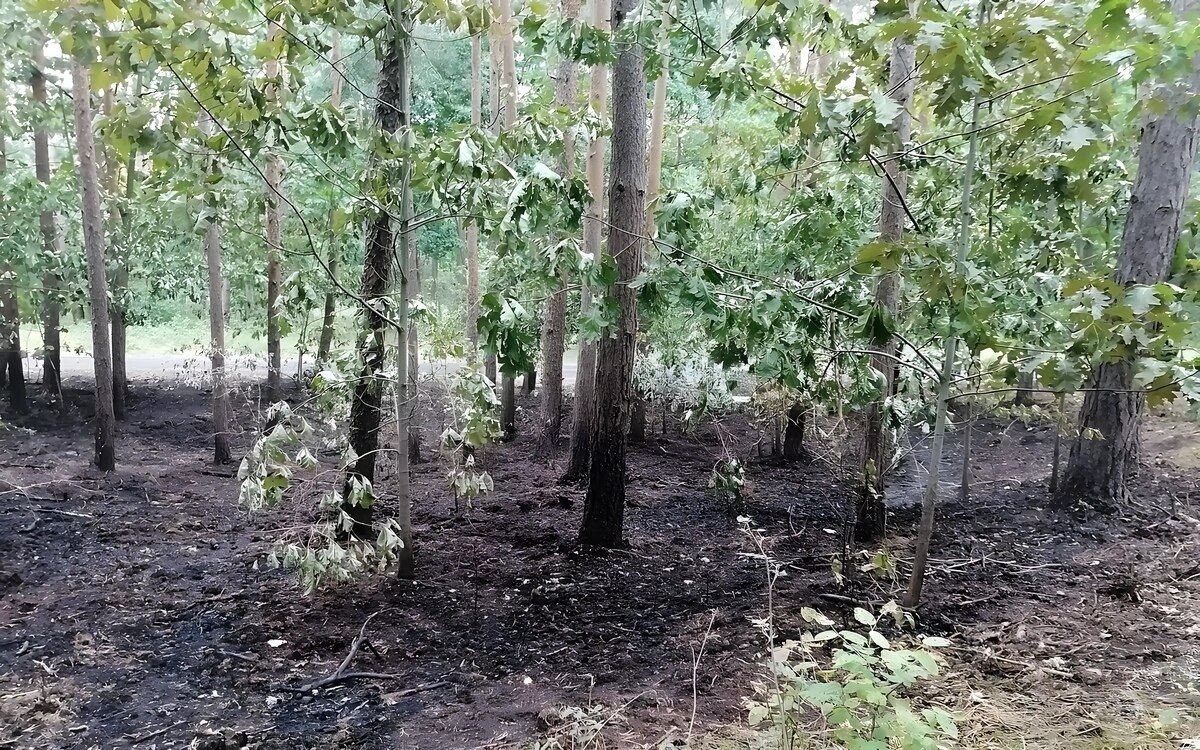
[
  {"x": 274, "y": 179},
  {"x": 507, "y": 100},
  {"x": 604, "y": 507},
  {"x": 366, "y": 413},
  {"x": 871, "y": 517},
  {"x": 93, "y": 239},
  {"x": 11, "y": 372},
  {"x": 472, "y": 227},
  {"x": 216, "y": 323},
  {"x": 1104, "y": 454},
  {"x": 51, "y": 239},
  {"x": 554, "y": 321},
  {"x": 120, "y": 276},
  {"x": 585, "y": 370}
]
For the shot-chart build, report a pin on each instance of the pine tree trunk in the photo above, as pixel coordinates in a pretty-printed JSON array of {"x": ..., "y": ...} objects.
[
  {"x": 329, "y": 314},
  {"x": 472, "y": 228},
  {"x": 11, "y": 372},
  {"x": 871, "y": 516},
  {"x": 93, "y": 238},
  {"x": 216, "y": 327},
  {"x": 554, "y": 321},
  {"x": 585, "y": 371},
  {"x": 274, "y": 175},
  {"x": 366, "y": 412},
  {"x": 1100, "y": 465},
  {"x": 604, "y": 506},
  {"x": 51, "y": 240}
]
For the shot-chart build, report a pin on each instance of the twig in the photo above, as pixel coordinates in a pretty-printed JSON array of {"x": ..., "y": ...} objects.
[
  {"x": 696, "y": 657},
  {"x": 156, "y": 733},
  {"x": 62, "y": 512}
]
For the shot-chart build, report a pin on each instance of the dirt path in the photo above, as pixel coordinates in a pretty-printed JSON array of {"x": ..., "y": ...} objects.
[{"x": 137, "y": 607}]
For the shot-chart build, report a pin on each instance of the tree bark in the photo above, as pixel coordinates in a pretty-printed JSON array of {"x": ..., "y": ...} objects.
[
  {"x": 410, "y": 286},
  {"x": 508, "y": 107},
  {"x": 274, "y": 175},
  {"x": 793, "y": 432},
  {"x": 585, "y": 371},
  {"x": 554, "y": 321},
  {"x": 93, "y": 237},
  {"x": 871, "y": 516},
  {"x": 51, "y": 240},
  {"x": 1098, "y": 467},
  {"x": 329, "y": 314},
  {"x": 120, "y": 276},
  {"x": 216, "y": 326},
  {"x": 1058, "y": 431},
  {"x": 1025, "y": 385},
  {"x": 604, "y": 506},
  {"x": 366, "y": 413}
]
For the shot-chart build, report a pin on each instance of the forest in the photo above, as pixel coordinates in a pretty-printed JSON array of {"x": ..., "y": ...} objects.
[{"x": 764, "y": 374}]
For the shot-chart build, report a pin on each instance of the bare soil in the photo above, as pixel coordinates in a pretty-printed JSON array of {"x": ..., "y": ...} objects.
[{"x": 136, "y": 609}]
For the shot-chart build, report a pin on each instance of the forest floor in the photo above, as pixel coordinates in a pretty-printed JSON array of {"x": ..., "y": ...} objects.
[{"x": 136, "y": 609}]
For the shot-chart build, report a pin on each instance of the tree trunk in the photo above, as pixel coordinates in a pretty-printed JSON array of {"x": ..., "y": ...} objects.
[
  {"x": 637, "y": 424},
  {"x": 11, "y": 373},
  {"x": 929, "y": 502},
  {"x": 216, "y": 326},
  {"x": 554, "y": 322},
  {"x": 366, "y": 413},
  {"x": 120, "y": 277},
  {"x": 274, "y": 175},
  {"x": 529, "y": 382},
  {"x": 472, "y": 228},
  {"x": 93, "y": 238},
  {"x": 1025, "y": 385},
  {"x": 1099, "y": 465},
  {"x": 405, "y": 562},
  {"x": 51, "y": 240},
  {"x": 1058, "y": 431},
  {"x": 585, "y": 371},
  {"x": 793, "y": 432},
  {"x": 871, "y": 516},
  {"x": 410, "y": 286},
  {"x": 964, "y": 488},
  {"x": 604, "y": 506},
  {"x": 329, "y": 315}
]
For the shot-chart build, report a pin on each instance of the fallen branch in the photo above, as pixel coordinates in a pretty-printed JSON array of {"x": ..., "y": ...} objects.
[
  {"x": 155, "y": 733},
  {"x": 340, "y": 675}
]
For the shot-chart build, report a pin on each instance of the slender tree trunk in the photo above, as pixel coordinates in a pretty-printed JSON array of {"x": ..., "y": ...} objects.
[
  {"x": 1025, "y": 385},
  {"x": 593, "y": 229},
  {"x": 120, "y": 277},
  {"x": 11, "y": 372},
  {"x": 554, "y": 321},
  {"x": 508, "y": 107},
  {"x": 871, "y": 516},
  {"x": 274, "y": 175},
  {"x": 637, "y": 425},
  {"x": 410, "y": 286},
  {"x": 793, "y": 432},
  {"x": 964, "y": 488},
  {"x": 405, "y": 563},
  {"x": 529, "y": 382},
  {"x": 1104, "y": 453},
  {"x": 329, "y": 315},
  {"x": 472, "y": 228},
  {"x": 929, "y": 501},
  {"x": 604, "y": 506},
  {"x": 366, "y": 412},
  {"x": 51, "y": 240},
  {"x": 216, "y": 326},
  {"x": 1058, "y": 431},
  {"x": 93, "y": 237}
]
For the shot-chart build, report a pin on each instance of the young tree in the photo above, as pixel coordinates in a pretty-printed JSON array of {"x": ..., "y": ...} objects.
[
  {"x": 274, "y": 175},
  {"x": 604, "y": 507},
  {"x": 216, "y": 324},
  {"x": 507, "y": 100},
  {"x": 585, "y": 371},
  {"x": 366, "y": 413},
  {"x": 871, "y": 519},
  {"x": 120, "y": 276},
  {"x": 51, "y": 239},
  {"x": 554, "y": 321},
  {"x": 93, "y": 239},
  {"x": 1105, "y": 451}
]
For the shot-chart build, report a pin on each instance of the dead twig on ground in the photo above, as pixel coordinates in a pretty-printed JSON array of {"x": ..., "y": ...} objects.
[
  {"x": 155, "y": 733},
  {"x": 697, "y": 655}
]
